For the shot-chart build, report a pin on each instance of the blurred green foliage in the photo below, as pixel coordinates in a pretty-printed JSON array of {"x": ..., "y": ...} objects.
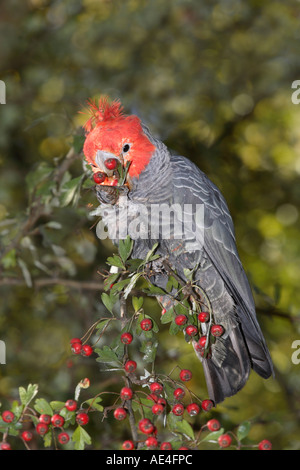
[{"x": 212, "y": 79}]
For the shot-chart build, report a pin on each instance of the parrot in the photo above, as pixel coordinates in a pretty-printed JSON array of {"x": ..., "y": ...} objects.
[{"x": 135, "y": 173}]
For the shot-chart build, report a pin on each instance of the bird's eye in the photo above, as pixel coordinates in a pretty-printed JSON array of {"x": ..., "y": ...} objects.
[{"x": 126, "y": 148}]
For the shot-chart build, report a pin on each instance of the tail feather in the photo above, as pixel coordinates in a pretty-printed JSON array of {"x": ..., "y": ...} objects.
[{"x": 226, "y": 379}]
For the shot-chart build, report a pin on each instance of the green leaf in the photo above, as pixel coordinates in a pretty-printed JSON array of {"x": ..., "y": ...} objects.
[
  {"x": 9, "y": 260},
  {"x": 131, "y": 284},
  {"x": 149, "y": 256},
  {"x": 154, "y": 290},
  {"x": 27, "y": 395},
  {"x": 125, "y": 248},
  {"x": 149, "y": 349},
  {"x": 33, "y": 178},
  {"x": 173, "y": 330},
  {"x": 185, "y": 428},
  {"x": 137, "y": 303},
  {"x": 213, "y": 436},
  {"x": 43, "y": 407},
  {"x": 110, "y": 280},
  {"x": 25, "y": 272},
  {"x": 80, "y": 437},
  {"x": 106, "y": 354},
  {"x": 57, "y": 405},
  {"x": 115, "y": 261},
  {"x": 168, "y": 316},
  {"x": 107, "y": 301},
  {"x": 243, "y": 430},
  {"x": 69, "y": 190},
  {"x": 78, "y": 141},
  {"x": 94, "y": 403}
]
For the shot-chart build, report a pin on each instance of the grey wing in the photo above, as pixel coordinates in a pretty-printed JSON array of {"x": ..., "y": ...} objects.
[{"x": 220, "y": 247}]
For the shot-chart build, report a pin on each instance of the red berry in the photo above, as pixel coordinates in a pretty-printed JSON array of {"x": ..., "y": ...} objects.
[
  {"x": 178, "y": 409},
  {"x": 224, "y": 440},
  {"x": 87, "y": 350},
  {"x": 114, "y": 182},
  {"x": 207, "y": 405},
  {"x": 63, "y": 438},
  {"x": 146, "y": 426},
  {"x": 45, "y": 419},
  {"x": 180, "y": 320},
  {"x": 128, "y": 445},
  {"x": 166, "y": 446},
  {"x": 157, "y": 409},
  {"x": 8, "y": 416},
  {"x": 99, "y": 177},
  {"x": 179, "y": 393},
  {"x": 75, "y": 340},
  {"x": 151, "y": 442},
  {"x": 126, "y": 393},
  {"x": 57, "y": 420},
  {"x": 42, "y": 428},
  {"x": 146, "y": 324},
  {"x": 153, "y": 397},
  {"x": 191, "y": 330},
  {"x": 203, "y": 317},
  {"x": 265, "y": 445},
  {"x": 120, "y": 413},
  {"x": 202, "y": 341},
  {"x": 27, "y": 436},
  {"x": 126, "y": 338},
  {"x": 76, "y": 348},
  {"x": 217, "y": 330},
  {"x": 156, "y": 387},
  {"x": 161, "y": 401},
  {"x": 5, "y": 446},
  {"x": 185, "y": 375},
  {"x": 82, "y": 418},
  {"x": 130, "y": 366},
  {"x": 213, "y": 425},
  {"x": 183, "y": 448},
  {"x": 71, "y": 405},
  {"x": 110, "y": 163},
  {"x": 193, "y": 409}
]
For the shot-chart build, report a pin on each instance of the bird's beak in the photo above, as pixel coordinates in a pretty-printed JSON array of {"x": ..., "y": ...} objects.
[{"x": 102, "y": 157}]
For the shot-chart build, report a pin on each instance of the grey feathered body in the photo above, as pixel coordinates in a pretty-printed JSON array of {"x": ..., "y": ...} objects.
[{"x": 176, "y": 180}]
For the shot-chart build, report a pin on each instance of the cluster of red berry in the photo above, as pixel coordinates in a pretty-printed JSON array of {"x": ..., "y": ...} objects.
[
  {"x": 78, "y": 348},
  {"x": 45, "y": 423}
]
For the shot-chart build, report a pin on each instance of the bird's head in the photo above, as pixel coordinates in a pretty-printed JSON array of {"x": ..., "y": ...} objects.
[{"x": 114, "y": 139}]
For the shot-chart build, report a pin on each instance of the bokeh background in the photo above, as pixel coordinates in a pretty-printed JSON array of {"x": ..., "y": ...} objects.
[{"x": 214, "y": 80}]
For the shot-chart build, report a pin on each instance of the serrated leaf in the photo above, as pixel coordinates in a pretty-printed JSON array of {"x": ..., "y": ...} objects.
[
  {"x": 80, "y": 437},
  {"x": 243, "y": 430},
  {"x": 27, "y": 395},
  {"x": 168, "y": 316},
  {"x": 150, "y": 253},
  {"x": 43, "y": 407},
  {"x": 115, "y": 261},
  {"x": 125, "y": 248},
  {"x": 94, "y": 403},
  {"x": 106, "y": 354}
]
